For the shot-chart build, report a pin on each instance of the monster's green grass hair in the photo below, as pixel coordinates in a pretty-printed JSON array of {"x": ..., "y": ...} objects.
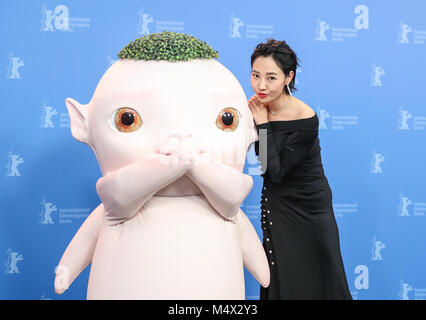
[{"x": 169, "y": 46}]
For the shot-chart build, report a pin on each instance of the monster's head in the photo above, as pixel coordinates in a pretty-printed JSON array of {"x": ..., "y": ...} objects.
[{"x": 165, "y": 84}]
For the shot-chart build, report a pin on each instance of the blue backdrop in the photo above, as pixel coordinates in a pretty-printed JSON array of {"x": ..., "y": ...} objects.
[{"x": 362, "y": 70}]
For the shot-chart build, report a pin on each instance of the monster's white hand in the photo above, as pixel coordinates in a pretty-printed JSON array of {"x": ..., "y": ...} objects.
[
  {"x": 224, "y": 186},
  {"x": 254, "y": 256},
  {"x": 79, "y": 253},
  {"x": 62, "y": 279},
  {"x": 124, "y": 191}
]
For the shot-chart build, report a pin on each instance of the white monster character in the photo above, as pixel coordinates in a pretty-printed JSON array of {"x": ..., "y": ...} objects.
[{"x": 170, "y": 127}]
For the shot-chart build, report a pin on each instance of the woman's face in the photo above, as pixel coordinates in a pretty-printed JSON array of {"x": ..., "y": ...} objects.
[{"x": 267, "y": 79}]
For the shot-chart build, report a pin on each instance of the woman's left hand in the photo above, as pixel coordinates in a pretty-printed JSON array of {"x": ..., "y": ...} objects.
[{"x": 258, "y": 110}]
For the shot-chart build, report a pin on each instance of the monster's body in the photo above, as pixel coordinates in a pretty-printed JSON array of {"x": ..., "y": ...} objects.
[
  {"x": 169, "y": 225},
  {"x": 156, "y": 256}
]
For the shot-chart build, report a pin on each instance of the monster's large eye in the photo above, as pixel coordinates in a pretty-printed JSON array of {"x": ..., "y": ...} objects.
[
  {"x": 228, "y": 119},
  {"x": 127, "y": 120}
]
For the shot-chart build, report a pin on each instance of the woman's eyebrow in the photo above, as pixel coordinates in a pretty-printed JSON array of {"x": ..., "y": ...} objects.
[{"x": 274, "y": 73}]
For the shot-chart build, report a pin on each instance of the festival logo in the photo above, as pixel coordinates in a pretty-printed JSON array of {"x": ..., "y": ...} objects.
[
  {"x": 49, "y": 213},
  {"x": 239, "y": 29},
  {"x": 408, "y": 292},
  {"x": 234, "y": 27},
  {"x": 145, "y": 20},
  {"x": 47, "y": 208},
  {"x": 376, "y": 163},
  {"x": 13, "y": 68},
  {"x": 404, "y": 29},
  {"x": 404, "y": 289},
  {"x": 377, "y": 73},
  {"x": 338, "y": 122},
  {"x": 46, "y": 117},
  {"x": 405, "y": 118},
  {"x": 407, "y": 207},
  {"x": 13, "y": 257},
  {"x": 408, "y": 35},
  {"x": 376, "y": 251},
  {"x": 14, "y": 160},
  {"x": 322, "y": 116},
  {"x": 404, "y": 203},
  {"x": 322, "y": 27}
]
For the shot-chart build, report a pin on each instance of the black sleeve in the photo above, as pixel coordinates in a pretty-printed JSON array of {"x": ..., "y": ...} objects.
[{"x": 280, "y": 162}]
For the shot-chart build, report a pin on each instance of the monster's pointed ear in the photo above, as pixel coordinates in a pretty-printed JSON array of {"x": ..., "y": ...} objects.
[{"x": 78, "y": 120}]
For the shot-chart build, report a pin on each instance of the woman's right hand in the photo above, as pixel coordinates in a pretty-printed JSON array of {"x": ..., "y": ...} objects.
[{"x": 258, "y": 110}]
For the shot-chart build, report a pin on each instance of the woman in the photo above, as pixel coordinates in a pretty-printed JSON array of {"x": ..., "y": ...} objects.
[{"x": 300, "y": 233}]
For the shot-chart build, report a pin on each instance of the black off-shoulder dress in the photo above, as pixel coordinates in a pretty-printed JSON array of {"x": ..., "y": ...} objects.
[{"x": 300, "y": 234}]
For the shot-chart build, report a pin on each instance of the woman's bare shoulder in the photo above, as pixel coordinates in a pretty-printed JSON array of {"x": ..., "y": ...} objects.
[{"x": 305, "y": 111}]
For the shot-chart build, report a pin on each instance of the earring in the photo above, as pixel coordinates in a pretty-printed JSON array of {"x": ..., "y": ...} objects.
[{"x": 288, "y": 89}]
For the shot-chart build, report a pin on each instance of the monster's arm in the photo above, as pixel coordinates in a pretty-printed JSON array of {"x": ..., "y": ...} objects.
[
  {"x": 224, "y": 187},
  {"x": 254, "y": 257},
  {"x": 79, "y": 252},
  {"x": 124, "y": 191}
]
